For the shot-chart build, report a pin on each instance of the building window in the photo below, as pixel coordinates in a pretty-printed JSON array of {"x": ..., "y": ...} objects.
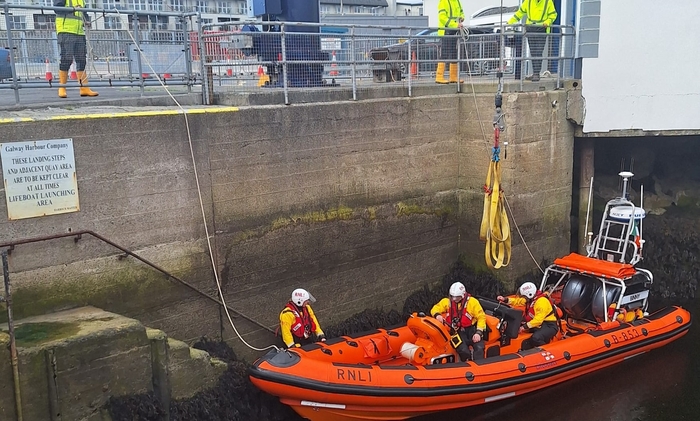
[
  {"x": 159, "y": 22},
  {"x": 48, "y": 3},
  {"x": 113, "y": 22},
  {"x": 358, "y": 9},
  {"x": 112, "y": 4},
  {"x": 201, "y": 6},
  {"x": 177, "y": 5},
  {"x": 207, "y": 21},
  {"x": 156, "y": 5},
  {"x": 325, "y": 9},
  {"x": 137, "y": 5},
  {"x": 223, "y": 7},
  {"x": 18, "y": 22},
  {"x": 17, "y": 2},
  {"x": 242, "y": 8},
  {"x": 45, "y": 22}
]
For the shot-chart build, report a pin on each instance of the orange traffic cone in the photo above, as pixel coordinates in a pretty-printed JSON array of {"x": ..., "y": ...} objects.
[
  {"x": 414, "y": 65},
  {"x": 334, "y": 66},
  {"x": 73, "y": 73},
  {"x": 49, "y": 75},
  {"x": 263, "y": 79}
]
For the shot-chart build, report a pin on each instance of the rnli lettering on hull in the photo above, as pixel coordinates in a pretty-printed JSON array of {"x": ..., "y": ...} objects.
[{"x": 352, "y": 375}]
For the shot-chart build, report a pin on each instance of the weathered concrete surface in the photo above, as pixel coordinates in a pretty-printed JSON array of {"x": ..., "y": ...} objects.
[
  {"x": 7, "y": 391},
  {"x": 360, "y": 202},
  {"x": 537, "y": 167},
  {"x": 72, "y": 362}
]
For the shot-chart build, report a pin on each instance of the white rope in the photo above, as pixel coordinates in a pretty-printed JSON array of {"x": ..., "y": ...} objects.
[
  {"x": 201, "y": 202},
  {"x": 521, "y": 235}
]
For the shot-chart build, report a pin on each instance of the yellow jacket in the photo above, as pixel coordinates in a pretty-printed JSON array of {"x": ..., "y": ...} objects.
[
  {"x": 70, "y": 22},
  {"x": 287, "y": 319},
  {"x": 449, "y": 14},
  {"x": 538, "y": 12},
  {"x": 542, "y": 310},
  {"x": 473, "y": 308}
]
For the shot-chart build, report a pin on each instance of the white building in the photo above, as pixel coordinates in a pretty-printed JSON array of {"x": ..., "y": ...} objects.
[{"x": 226, "y": 12}]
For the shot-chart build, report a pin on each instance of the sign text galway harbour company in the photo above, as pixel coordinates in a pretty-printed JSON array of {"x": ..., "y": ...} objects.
[{"x": 39, "y": 178}]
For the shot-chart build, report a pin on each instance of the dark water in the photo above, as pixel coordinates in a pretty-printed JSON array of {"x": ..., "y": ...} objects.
[{"x": 661, "y": 385}]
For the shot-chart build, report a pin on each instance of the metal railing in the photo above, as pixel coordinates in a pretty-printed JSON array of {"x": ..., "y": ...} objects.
[
  {"x": 292, "y": 55},
  {"x": 115, "y": 57},
  {"x": 275, "y": 56},
  {"x": 9, "y": 247}
]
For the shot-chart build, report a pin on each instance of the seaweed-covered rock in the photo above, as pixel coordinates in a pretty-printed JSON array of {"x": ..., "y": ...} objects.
[
  {"x": 672, "y": 254},
  {"x": 143, "y": 407}
]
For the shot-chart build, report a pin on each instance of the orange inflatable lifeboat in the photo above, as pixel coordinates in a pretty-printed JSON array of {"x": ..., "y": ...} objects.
[{"x": 404, "y": 372}]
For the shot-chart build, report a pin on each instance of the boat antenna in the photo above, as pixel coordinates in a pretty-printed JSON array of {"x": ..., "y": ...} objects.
[
  {"x": 641, "y": 220},
  {"x": 626, "y": 175},
  {"x": 589, "y": 245}
]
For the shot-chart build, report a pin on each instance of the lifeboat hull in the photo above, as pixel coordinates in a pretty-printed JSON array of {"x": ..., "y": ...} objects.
[{"x": 367, "y": 377}]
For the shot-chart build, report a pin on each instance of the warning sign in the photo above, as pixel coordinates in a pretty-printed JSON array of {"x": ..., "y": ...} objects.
[{"x": 39, "y": 178}]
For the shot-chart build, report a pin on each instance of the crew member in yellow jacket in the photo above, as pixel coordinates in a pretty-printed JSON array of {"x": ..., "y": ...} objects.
[
  {"x": 540, "y": 315},
  {"x": 450, "y": 16},
  {"x": 541, "y": 15},
  {"x": 70, "y": 34},
  {"x": 298, "y": 323},
  {"x": 464, "y": 314}
]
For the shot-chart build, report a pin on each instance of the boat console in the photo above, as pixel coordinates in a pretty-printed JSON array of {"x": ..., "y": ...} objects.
[{"x": 594, "y": 288}]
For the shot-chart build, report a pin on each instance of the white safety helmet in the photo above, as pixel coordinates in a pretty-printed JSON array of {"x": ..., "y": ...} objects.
[
  {"x": 300, "y": 296},
  {"x": 457, "y": 290},
  {"x": 528, "y": 289}
]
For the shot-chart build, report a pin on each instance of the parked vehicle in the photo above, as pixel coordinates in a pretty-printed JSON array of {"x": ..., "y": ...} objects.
[
  {"x": 492, "y": 16},
  {"x": 5, "y": 67},
  {"x": 426, "y": 44}
]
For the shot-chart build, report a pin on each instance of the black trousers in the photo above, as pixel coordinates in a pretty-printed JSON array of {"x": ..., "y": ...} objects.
[
  {"x": 73, "y": 47},
  {"x": 463, "y": 348},
  {"x": 536, "y": 39},
  {"x": 448, "y": 46},
  {"x": 541, "y": 336}
]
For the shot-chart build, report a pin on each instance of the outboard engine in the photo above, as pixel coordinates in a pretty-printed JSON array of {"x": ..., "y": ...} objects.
[
  {"x": 600, "y": 306},
  {"x": 577, "y": 296}
]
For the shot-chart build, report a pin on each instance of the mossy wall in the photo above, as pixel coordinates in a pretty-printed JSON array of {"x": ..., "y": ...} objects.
[{"x": 359, "y": 202}]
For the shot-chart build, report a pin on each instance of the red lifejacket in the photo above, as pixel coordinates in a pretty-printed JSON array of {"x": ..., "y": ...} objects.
[
  {"x": 530, "y": 310},
  {"x": 459, "y": 314},
  {"x": 304, "y": 324}
]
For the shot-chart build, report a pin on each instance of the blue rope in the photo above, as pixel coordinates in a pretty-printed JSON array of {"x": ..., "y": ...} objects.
[{"x": 496, "y": 153}]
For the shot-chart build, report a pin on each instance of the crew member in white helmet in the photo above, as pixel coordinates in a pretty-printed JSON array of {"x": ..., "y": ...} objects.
[
  {"x": 298, "y": 323},
  {"x": 464, "y": 314},
  {"x": 540, "y": 314}
]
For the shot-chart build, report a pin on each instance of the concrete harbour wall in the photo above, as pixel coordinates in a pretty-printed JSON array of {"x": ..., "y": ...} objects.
[{"x": 360, "y": 202}]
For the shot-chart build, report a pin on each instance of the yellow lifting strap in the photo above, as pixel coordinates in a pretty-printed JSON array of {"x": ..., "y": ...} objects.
[{"x": 495, "y": 229}]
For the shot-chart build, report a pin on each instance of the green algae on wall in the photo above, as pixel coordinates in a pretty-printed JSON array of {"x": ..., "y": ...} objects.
[
  {"x": 32, "y": 334},
  {"x": 404, "y": 209},
  {"x": 341, "y": 213},
  {"x": 128, "y": 287}
]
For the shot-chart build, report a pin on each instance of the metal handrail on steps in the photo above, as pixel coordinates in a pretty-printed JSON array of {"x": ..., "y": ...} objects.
[{"x": 77, "y": 236}]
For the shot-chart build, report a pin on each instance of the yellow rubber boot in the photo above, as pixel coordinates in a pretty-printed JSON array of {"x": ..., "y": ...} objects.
[
  {"x": 440, "y": 74},
  {"x": 454, "y": 73},
  {"x": 84, "y": 90},
  {"x": 62, "y": 79}
]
